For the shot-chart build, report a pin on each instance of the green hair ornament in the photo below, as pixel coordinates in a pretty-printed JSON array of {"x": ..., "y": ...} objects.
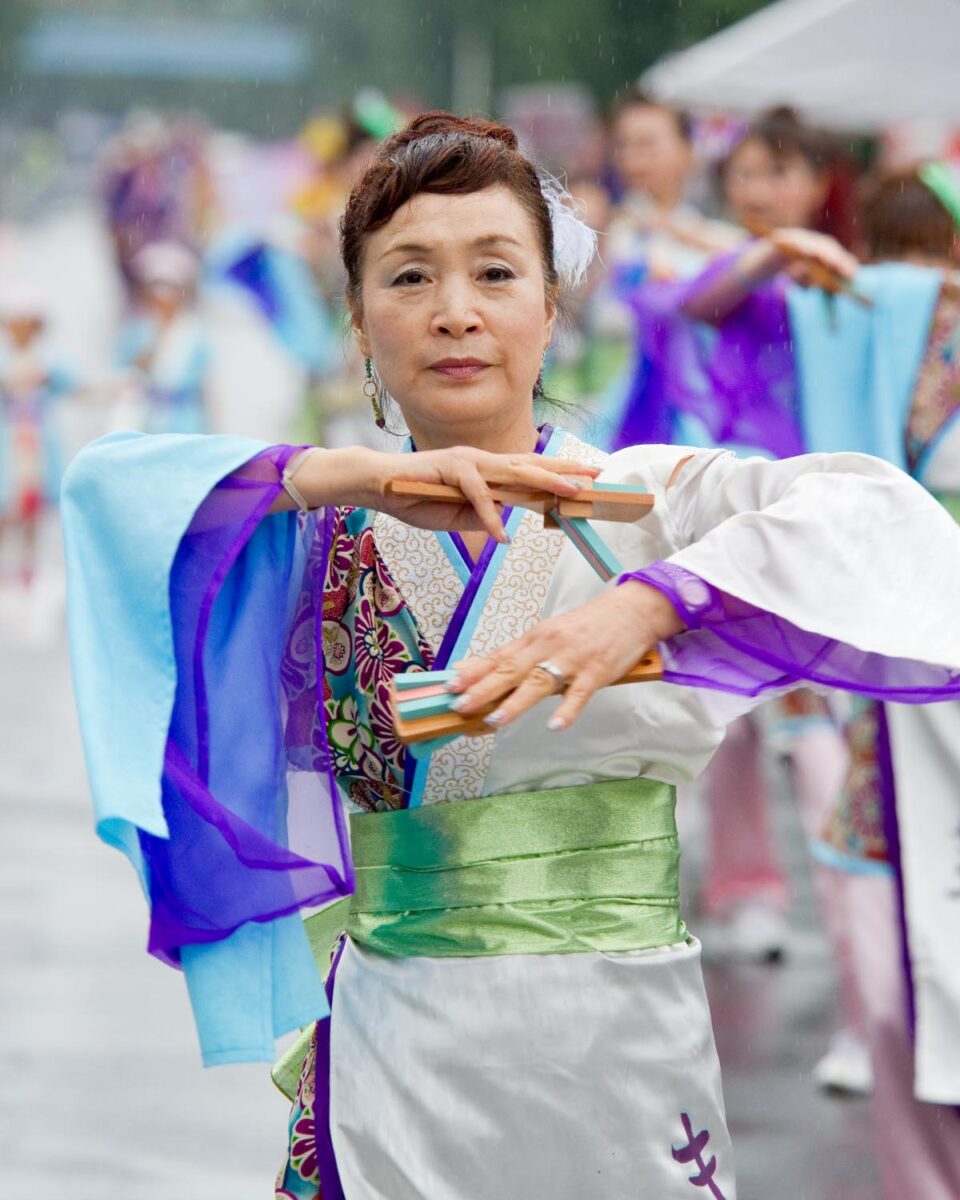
[
  {"x": 942, "y": 180},
  {"x": 375, "y": 115}
]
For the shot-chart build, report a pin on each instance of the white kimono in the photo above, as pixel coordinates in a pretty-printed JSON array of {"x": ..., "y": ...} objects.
[
  {"x": 572, "y": 1074},
  {"x": 578, "y": 1074}
]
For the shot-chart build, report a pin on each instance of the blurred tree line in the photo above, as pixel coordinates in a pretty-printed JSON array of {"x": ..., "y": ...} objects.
[{"x": 441, "y": 52}]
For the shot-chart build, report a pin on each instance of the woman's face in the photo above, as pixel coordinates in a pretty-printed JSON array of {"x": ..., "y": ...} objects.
[
  {"x": 455, "y": 313},
  {"x": 650, "y": 153},
  {"x": 778, "y": 192}
]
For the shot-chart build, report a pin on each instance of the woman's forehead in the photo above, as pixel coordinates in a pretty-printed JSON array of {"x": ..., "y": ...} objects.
[{"x": 433, "y": 222}]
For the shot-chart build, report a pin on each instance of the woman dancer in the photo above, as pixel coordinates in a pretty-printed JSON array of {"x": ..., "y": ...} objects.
[{"x": 518, "y": 1007}]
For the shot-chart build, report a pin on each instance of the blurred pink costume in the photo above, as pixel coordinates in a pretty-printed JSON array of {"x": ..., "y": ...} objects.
[{"x": 918, "y": 1144}]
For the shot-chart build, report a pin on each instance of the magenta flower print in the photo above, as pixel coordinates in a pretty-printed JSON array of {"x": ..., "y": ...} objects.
[
  {"x": 376, "y": 583},
  {"x": 303, "y": 1148},
  {"x": 379, "y": 654},
  {"x": 343, "y": 560},
  {"x": 381, "y": 723}
]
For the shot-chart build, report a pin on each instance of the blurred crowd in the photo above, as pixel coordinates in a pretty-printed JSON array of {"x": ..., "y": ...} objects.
[{"x": 210, "y": 293}]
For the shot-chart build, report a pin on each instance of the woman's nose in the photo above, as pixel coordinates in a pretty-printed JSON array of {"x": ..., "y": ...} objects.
[
  {"x": 457, "y": 326},
  {"x": 456, "y": 313}
]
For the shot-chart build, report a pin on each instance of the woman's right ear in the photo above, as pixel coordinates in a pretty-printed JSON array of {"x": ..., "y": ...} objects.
[{"x": 357, "y": 328}]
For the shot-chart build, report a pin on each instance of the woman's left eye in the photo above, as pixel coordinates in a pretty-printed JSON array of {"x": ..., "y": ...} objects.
[{"x": 498, "y": 274}]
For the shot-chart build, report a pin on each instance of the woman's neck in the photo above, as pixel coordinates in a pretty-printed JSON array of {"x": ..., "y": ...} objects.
[{"x": 512, "y": 437}]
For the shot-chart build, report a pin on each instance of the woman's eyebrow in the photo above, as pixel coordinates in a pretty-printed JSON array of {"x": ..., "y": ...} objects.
[{"x": 485, "y": 240}]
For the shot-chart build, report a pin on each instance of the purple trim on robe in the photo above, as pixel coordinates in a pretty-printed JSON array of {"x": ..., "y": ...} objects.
[
  {"x": 322, "y": 755},
  {"x": 891, "y": 831},
  {"x": 461, "y": 548},
  {"x": 466, "y": 600},
  {"x": 462, "y": 611},
  {"x": 329, "y": 1173},
  {"x": 737, "y": 378},
  {"x": 733, "y": 646},
  {"x": 227, "y": 860}
]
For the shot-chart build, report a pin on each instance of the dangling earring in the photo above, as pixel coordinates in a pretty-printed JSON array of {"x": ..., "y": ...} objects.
[{"x": 372, "y": 393}]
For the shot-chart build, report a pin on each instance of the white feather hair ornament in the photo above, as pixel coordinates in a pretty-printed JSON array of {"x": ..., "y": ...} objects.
[{"x": 574, "y": 242}]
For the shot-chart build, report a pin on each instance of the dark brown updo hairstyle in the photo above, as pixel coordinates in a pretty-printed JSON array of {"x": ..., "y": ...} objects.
[
  {"x": 901, "y": 216},
  {"x": 447, "y": 155},
  {"x": 786, "y": 137}
]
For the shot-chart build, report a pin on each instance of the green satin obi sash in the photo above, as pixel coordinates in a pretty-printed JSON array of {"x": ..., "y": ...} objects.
[
  {"x": 554, "y": 872},
  {"x": 564, "y": 871}
]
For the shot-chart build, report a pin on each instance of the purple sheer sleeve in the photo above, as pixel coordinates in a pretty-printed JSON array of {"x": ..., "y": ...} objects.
[
  {"x": 737, "y": 377},
  {"x": 732, "y": 646},
  {"x": 231, "y": 857}
]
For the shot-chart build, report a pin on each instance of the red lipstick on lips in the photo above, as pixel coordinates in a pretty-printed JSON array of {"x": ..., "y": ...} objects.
[{"x": 459, "y": 368}]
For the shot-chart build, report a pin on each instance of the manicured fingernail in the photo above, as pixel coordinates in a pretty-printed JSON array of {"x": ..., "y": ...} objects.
[
  {"x": 555, "y": 724},
  {"x": 461, "y": 702},
  {"x": 454, "y": 685},
  {"x": 495, "y": 718}
]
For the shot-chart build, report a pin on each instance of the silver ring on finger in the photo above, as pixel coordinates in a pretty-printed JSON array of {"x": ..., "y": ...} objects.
[{"x": 559, "y": 678}]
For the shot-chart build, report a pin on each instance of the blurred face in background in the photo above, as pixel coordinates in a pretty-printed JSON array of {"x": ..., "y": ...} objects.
[
  {"x": 650, "y": 153},
  {"x": 775, "y": 191},
  {"x": 164, "y": 300},
  {"x": 22, "y": 330}
]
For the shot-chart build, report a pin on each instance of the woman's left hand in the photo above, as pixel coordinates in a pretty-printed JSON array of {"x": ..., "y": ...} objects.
[{"x": 592, "y": 645}]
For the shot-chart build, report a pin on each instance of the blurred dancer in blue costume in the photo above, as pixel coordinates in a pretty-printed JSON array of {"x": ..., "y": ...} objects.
[
  {"x": 33, "y": 386},
  {"x": 517, "y": 1006},
  {"x": 163, "y": 343},
  {"x": 270, "y": 265},
  {"x": 884, "y": 379}
]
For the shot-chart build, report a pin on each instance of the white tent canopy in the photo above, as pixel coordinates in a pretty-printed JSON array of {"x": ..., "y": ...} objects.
[{"x": 848, "y": 64}]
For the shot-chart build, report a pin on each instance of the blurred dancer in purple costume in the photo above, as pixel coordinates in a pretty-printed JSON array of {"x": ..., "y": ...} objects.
[
  {"x": 736, "y": 388},
  {"x": 155, "y": 187},
  {"x": 883, "y": 902}
]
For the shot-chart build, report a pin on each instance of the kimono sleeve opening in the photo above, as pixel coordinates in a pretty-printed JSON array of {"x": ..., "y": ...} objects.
[
  {"x": 229, "y": 858},
  {"x": 734, "y": 646}
]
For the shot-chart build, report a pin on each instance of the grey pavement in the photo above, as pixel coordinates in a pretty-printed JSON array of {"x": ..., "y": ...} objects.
[{"x": 101, "y": 1091}]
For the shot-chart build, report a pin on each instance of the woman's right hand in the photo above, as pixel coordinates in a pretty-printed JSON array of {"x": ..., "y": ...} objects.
[
  {"x": 806, "y": 254},
  {"x": 357, "y": 476}
]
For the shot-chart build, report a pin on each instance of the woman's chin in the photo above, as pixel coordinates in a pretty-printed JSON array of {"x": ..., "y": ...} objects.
[{"x": 470, "y": 405}]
